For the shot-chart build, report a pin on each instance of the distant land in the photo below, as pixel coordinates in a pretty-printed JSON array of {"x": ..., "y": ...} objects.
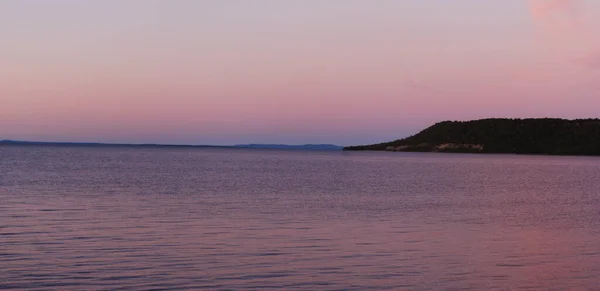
[
  {"x": 248, "y": 146},
  {"x": 91, "y": 144},
  {"x": 320, "y": 147},
  {"x": 544, "y": 136}
]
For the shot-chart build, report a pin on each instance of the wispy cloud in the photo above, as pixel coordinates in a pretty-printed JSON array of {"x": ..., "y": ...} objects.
[
  {"x": 556, "y": 15},
  {"x": 564, "y": 21},
  {"x": 413, "y": 84},
  {"x": 592, "y": 60}
]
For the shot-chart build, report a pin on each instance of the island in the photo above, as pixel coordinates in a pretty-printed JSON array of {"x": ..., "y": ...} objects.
[{"x": 544, "y": 136}]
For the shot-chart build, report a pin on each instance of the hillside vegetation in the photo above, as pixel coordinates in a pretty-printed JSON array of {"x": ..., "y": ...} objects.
[{"x": 518, "y": 136}]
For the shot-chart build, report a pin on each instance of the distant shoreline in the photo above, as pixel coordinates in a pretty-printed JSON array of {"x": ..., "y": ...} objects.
[{"x": 241, "y": 146}]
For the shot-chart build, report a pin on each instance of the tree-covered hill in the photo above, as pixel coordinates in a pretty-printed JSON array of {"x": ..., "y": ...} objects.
[{"x": 518, "y": 136}]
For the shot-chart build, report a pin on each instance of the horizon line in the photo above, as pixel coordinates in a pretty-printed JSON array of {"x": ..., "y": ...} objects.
[{"x": 83, "y": 143}]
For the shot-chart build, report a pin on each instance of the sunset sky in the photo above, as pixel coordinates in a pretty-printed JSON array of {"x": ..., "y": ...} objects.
[{"x": 298, "y": 71}]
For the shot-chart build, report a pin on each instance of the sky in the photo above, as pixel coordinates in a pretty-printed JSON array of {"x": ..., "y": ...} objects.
[{"x": 299, "y": 71}]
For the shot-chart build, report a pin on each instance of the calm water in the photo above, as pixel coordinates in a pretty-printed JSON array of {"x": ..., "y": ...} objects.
[{"x": 214, "y": 219}]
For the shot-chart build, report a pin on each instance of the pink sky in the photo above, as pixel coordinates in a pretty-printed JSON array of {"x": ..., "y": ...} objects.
[{"x": 270, "y": 71}]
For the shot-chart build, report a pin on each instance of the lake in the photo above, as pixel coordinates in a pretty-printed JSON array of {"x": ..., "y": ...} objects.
[{"x": 101, "y": 218}]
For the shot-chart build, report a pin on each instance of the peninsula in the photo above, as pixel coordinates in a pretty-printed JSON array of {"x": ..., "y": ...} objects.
[{"x": 548, "y": 136}]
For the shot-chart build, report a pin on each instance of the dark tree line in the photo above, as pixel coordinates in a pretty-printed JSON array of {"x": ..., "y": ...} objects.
[{"x": 519, "y": 136}]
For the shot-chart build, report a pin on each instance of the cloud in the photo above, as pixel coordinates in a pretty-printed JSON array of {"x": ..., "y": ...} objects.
[
  {"x": 592, "y": 60},
  {"x": 556, "y": 14},
  {"x": 413, "y": 84},
  {"x": 565, "y": 22}
]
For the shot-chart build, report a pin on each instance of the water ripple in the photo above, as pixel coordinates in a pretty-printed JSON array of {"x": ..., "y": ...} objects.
[{"x": 180, "y": 219}]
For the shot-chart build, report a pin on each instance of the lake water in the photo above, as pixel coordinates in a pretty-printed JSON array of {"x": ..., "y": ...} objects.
[{"x": 216, "y": 219}]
